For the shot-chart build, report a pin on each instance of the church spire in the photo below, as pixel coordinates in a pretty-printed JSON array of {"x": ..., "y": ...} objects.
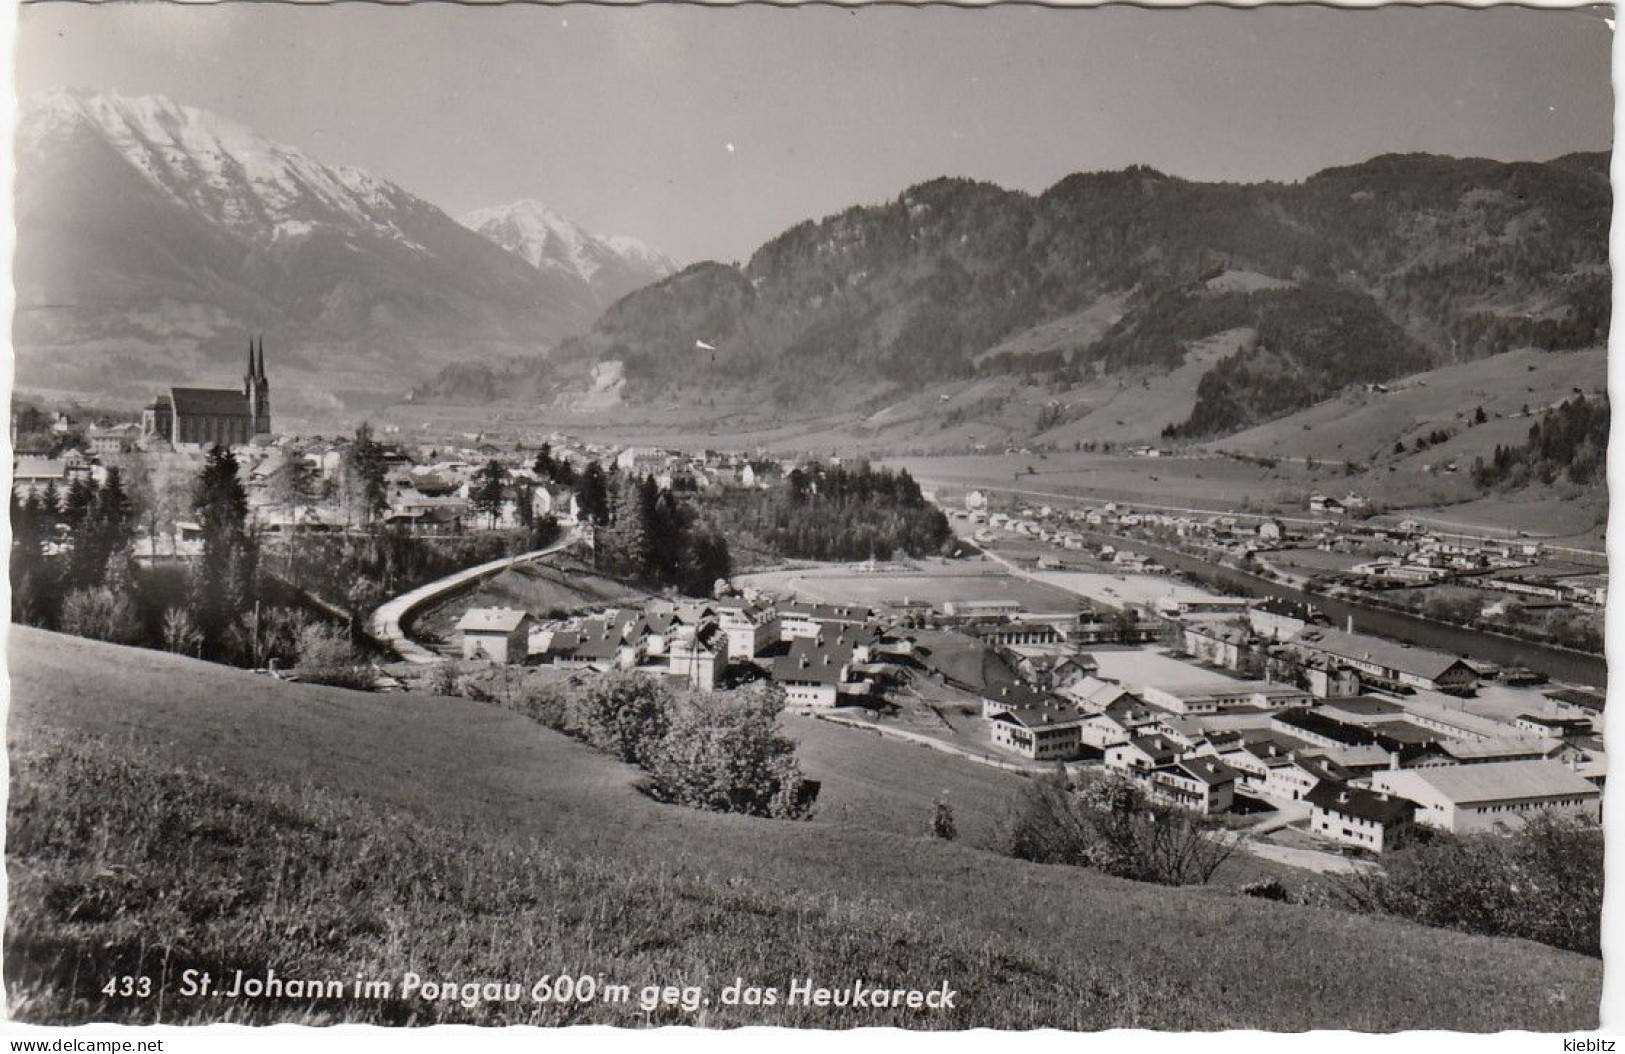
[
  {"x": 259, "y": 371},
  {"x": 250, "y": 374}
]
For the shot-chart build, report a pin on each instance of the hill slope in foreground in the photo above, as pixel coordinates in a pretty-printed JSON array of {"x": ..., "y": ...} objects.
[{"x": 167, "y": 814}]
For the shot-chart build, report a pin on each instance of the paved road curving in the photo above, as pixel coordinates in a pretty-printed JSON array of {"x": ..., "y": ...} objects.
[{"x": 385, "y": 622}]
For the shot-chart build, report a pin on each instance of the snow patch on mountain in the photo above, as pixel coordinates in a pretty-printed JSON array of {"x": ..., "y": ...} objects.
[
  {"x": 234, "y": 176},
  {"x": 613, "y": 266}
]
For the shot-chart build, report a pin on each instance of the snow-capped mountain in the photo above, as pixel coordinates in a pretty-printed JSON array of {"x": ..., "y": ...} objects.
[
  {"x": 613, "y": 266},
  {"x": 153, "y": 237}
]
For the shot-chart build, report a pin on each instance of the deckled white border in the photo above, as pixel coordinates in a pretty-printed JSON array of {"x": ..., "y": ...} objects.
[{"x": 683, "y": 1040}]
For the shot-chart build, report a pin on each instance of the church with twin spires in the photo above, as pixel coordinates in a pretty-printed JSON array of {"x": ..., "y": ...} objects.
[{"x": 206, "y": 417}]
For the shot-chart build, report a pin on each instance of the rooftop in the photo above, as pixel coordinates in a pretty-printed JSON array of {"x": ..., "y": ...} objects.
[
  {"x": 492, "y": 620},
  {"x": 1504, "y": 780},
  {"x": 1348, "y": 800},
  {"x": 215, "y": 402},
  {"x": 1418, "y": 662}
]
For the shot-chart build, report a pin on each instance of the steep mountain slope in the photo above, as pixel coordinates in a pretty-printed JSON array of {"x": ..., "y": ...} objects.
[
  {"x": 152, "y": 237},
  {"x": 1356, "y": 274},
  {"x": 612, "y": 267}
]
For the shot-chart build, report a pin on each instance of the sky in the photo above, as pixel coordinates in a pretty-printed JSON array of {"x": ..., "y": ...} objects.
[{"x": 706, "y": 132}]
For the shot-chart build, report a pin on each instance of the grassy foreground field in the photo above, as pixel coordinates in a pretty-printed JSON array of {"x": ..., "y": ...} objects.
[{"x": 167, "y": 814}]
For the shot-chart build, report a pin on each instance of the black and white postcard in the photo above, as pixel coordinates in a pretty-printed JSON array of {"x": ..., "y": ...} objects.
[{"x": 927, "y": 517}]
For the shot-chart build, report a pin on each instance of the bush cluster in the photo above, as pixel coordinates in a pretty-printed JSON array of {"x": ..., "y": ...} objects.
[
  {"x": 327, "y": 656},
  {"x": 1110, "y": 824},
  {"x": 721, "y": 752},
  {"x": 1543, "y": 882}
]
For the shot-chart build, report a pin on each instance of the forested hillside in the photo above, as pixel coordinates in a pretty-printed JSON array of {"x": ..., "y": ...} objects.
[
  {"x": 1571, "y": 442},
  {"x": 1355, "y": 274}
]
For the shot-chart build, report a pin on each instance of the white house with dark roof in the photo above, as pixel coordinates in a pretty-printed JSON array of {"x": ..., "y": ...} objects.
[
  {"x": 751, "y": 628},
  {"x": 1356, "y": 816},
  {"x": 1203, "y": 784},
  {"x": 798, "y": 621},
  {"x": 1143, "y": 753},
  {"x": 496, "y": 634},
  {"x": 1040, "y": 733},
  {"x": 814, "y": 674},
  {"x": 698, "y": 654},
  {"x": 1294, "y": 776},
  {"x": 1118, "y": 722}
]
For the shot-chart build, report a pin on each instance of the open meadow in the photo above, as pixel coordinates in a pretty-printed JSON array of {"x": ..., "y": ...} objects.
[{"x": 934, "y": 585}]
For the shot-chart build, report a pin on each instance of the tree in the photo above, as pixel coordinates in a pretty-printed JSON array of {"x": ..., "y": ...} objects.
[
  {"x": 225, "y": 578},
  {"x": 1542, "y": 882},
  {"x": 625, "y": 547},
  {"x": 293, "y": 486},
  {"x": 1048, "y": 825},
  {"x": 366, "y": 497},
  {"x": 327, "y": 656},
  {"x": 106, "y": 530},
  {"x": 160, "y": 494},
  {"x": 29, "y": 529},
  {"x": 592, "y": 494},
  {"x": 942, "y": 820},
  {"x": 100, "y": 613},
  {"x": 488, "y": 491},
  {"x": 622, "y": 714},
  {"x": 181, "y": 634}
]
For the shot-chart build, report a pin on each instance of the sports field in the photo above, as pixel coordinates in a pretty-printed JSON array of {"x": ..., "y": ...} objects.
[{"x": 924, "y": 587}]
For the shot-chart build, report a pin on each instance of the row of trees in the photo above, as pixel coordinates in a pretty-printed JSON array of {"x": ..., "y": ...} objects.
[
  {"x": 650, "y": 535},
  {"x": 73, "y": 567},
  {"x": 1570, "y": 442},
  {"x": 832, "y": 512}
]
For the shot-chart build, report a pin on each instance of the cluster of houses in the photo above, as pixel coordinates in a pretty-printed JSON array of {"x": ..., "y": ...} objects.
[
  {"x": 821, "y": 655},
  {"x": 1360, "y": 766},
  {"x": 428, "y": 486},
  {"x": 1406, "y": 554}
]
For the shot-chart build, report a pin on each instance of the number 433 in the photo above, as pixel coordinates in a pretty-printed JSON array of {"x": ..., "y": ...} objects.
[{"x": 130, "y": 987}]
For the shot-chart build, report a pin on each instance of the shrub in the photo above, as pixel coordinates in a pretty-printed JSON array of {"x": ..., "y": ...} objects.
[
  {"x": 724, "y": 753},
  {"x": 623, "y": 714},
  {"x": 1543, "y": 882},
  {"x": 101, "y": 613},
  {"x": 1048, "y": 825},
  {"x": 1268, "y": 889},
  {"x": 326, "y": 656},
  {"x": 181, "y": 634},
  {"x": 281, "y": 631},
  {"x": 1110, "y": 824},
  {"x": 443, "y": 679},
  {"x": 942, "y": 821}
]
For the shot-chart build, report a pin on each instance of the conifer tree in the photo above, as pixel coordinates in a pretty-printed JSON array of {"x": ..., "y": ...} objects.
[{"x": 223, "y": 584}]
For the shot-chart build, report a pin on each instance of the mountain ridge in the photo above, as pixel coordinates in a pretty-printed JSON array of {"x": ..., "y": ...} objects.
[
  {"x": 152, "y": 236},
  {"x": 612, "y": 266},
  {"x": 1357, "y": 273}
]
